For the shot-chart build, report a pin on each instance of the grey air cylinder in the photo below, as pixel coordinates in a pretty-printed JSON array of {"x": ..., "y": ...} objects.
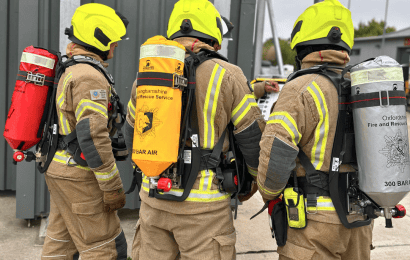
[{"x": 381, "y": 133}]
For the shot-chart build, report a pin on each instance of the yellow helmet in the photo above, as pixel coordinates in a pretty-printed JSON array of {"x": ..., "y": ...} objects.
[
  {"x": 195, "y": 18},
  {"x": 97, "y": 26},
  {"x": 327, "y": 22}
]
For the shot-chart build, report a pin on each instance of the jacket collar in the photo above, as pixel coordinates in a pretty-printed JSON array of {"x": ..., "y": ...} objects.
[
  {"x": 333, "y": 57},
  {"x": 76, "y": 49}
]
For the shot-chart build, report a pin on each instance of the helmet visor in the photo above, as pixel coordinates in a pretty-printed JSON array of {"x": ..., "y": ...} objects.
[{"x": 227, "y": 26}]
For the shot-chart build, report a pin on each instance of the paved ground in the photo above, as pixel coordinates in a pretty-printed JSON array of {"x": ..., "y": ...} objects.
[{"x": 18, "y": 241}]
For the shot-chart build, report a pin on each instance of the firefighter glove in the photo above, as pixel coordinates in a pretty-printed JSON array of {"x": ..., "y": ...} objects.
[{"x": 114, "y": 200}]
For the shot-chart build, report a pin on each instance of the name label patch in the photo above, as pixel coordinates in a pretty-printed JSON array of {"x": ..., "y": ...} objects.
[{"x": 98, "y": 94}]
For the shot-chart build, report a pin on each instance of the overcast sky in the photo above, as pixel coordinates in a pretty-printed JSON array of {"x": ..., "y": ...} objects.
[{"x": 287, "y": 11}]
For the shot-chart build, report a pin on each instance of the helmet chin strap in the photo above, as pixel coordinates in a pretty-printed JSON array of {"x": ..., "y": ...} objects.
[{"x": 298, "y": 63}]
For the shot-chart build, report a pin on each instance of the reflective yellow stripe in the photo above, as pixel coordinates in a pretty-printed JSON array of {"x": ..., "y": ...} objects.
[
  {"x": 286, "y": 120},
  {"x": 322, "y": 129},
  {"x": 324, "y": 204},
  {"x": 65, "y": 126},
  {"x": 252, "y": 171},
  {"x": 201, "y": 181},
  {"x": 62, "y": 157},
  {"x": 205, "y": 182},
  {"x": 60, "y": 99},
  {"x": 131, "y": 109},
  {"x": 266, "y": 191},
  {"x": 195, "y": 195},
  {"x": 211, "y": 101},
  {"x": 282, "y": 123},
  {"x": 243, "y": 107},
  {"x": 88, "y": 104},
  {"x": 210, "y": 179},
  {"x": 106, "y": 176},
  {"x": 253, "y": 87}
]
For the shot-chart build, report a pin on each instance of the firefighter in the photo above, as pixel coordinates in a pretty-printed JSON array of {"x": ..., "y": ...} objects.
[
  {"x": 305, "y": 117},
  {"x": 85, "y": 199},
  {"x": 201, "y": 227}
]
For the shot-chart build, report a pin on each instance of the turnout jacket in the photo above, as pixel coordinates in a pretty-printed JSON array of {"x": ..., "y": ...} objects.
[
  {"x": 222, "y": 95},
  {"x": 305, "y": 116},
  {"x": 82, "y": 99}
]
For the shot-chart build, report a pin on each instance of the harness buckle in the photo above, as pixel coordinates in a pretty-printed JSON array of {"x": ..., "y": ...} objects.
[
  {"x": 311, "y": 201},
  {"x": 37, "y": 79},
  {"x": 70, "y": 159},
  {"x": 312, "y": 212},
  {"x": 381, "y": 99},
  {"x": 179, "y": 81}
]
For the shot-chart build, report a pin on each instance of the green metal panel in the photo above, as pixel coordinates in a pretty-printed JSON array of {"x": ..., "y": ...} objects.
[{"x": 240, "y": 50}]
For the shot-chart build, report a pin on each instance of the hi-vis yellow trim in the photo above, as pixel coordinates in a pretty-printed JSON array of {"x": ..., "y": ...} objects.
[
  {"x": 131, "y": 109},
  {"x": 286, "y": 120},
  {"x": 243, "y": 108},
  {"x": 324, "y": 204},
  {"x": 62, "y": 157},
  {"x": 252, "y": 171},
  {"x": 211, "y": 101},
  {"x": 106, "y": 176},
  {"x": 266, "y": 191},
  {"x": 322, "y": 129},
  {"x": 268, "y": 79},
  {"x": 85, "y": 104},
  {"x": 195, "y": 195},
  {"x": 60, "y": 99},
  {"x": 65, "y": 126}
]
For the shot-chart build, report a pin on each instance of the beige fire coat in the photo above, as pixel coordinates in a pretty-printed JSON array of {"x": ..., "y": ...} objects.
[
  {"x": 223, "y": 93},
  {"x": 82, "y": 99},
  {"x": 305, "y": 116}
]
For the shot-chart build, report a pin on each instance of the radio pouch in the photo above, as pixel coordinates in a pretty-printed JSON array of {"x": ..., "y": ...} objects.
[{"x": 295, "y": 206}]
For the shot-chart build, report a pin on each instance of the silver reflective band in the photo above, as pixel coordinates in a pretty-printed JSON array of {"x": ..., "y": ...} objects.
[
  {"x": 376, "y": 75},
  {"x": 162, "y": 51},
  {"x": 37, "y": 60}
]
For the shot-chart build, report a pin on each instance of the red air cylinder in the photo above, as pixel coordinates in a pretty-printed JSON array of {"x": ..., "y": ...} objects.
[{"x": 37, "y": 68}]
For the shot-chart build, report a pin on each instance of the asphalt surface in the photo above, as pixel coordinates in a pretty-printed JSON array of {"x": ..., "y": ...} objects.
[{"x": 19, "y": 241}]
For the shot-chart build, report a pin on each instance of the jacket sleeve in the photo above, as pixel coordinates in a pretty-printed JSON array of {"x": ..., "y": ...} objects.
[
  {"x": 279, "y": 149},
  {"x": 248, "y": 121},
  {"x": 90, "y": 100},
  {"x": 258, "y": 89},
  {"x": 130, "y": 122}
]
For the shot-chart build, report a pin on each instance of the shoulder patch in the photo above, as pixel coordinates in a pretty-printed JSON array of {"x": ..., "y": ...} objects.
[{"x": 98, "y": 94}]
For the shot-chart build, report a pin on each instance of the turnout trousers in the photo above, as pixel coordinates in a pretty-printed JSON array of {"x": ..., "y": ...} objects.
[
  {"x": 78, "y": 224},
  {"x": 327, "y": 241},
  {"x": 164, "y": 235}
]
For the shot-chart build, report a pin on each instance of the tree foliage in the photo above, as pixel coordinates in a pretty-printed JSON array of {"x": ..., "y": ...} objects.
[
  {"x": 372, "y": 28},
  {"x": 288, "y": 55}
]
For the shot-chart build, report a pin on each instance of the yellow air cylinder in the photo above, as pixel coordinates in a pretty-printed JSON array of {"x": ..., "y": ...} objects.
[{"x": 158, "y": 108}]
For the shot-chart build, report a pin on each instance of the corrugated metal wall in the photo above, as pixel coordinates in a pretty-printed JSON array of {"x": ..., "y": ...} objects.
[{"x": 36, "y": 22}]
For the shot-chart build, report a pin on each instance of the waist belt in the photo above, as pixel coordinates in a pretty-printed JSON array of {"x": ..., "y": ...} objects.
[{"x": 312, "y": 192}]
